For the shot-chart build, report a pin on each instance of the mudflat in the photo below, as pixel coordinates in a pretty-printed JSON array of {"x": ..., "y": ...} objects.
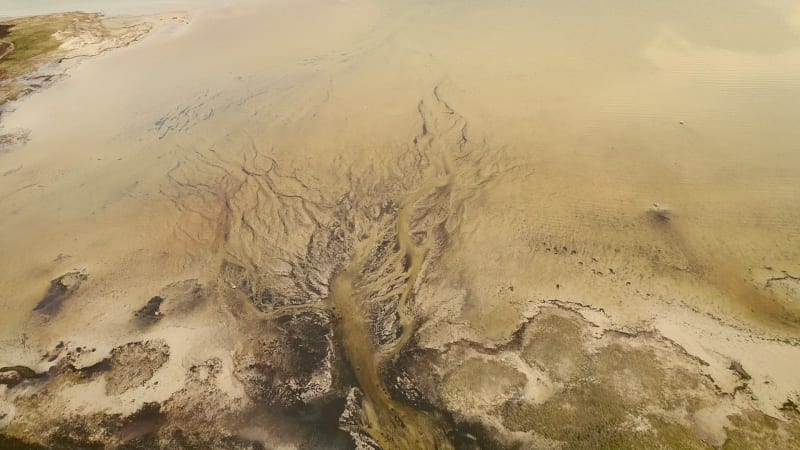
[{"x": 423, "y": 225}]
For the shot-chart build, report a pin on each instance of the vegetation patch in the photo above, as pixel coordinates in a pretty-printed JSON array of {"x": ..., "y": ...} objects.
[{"x": 29, "y": 43}]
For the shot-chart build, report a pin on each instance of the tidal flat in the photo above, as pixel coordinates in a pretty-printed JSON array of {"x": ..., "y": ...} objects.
[{"x": 427, "y": 225}]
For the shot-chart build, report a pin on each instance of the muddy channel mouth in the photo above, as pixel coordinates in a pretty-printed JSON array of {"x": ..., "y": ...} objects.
[{"x": 389, "y": 423}]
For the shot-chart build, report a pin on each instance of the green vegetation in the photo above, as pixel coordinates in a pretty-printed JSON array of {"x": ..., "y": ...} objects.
[
  {"x": 611, "y": 392},
  {"x": 29, "y": 44},
  {"x": 32, "y": 38},
  {"x": 34, "y": 45},
  {"x": 756, "y": 430},
  {"x": 12, "y": 443}
]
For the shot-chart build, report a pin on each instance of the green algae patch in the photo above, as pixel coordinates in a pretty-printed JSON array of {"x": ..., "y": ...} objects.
[
  {"x": 29, "y": 43},
  {"x": 756, "y": 430},
  {"x": 557, "y": 345},
  {"x": 34, "y": 38},
  {"x": 620, "y": 391},
  {"x": 13, "y": 443},
  {"x": 593, "y": 417}
]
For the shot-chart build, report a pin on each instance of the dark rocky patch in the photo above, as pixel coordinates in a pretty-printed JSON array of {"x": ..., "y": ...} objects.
[
  {"x": 352, "y": 420},
  {"x": 60, "y": 290},
  {"x": 14, "y": 375},
  {"x": 12, "y": 443},
  {"x": 98, "y": 368},
  {"x": 150, "y": 313},
  {"x": 380, "y": 253},
  {"x": 293, "y": 367},
  {"x": 5, "y": 48},
  {"x": 659, "y": 215},
  {"x": 134, "y": 364},
  {"x": 737, "y": 368},
  {"x": 75, "y": 437},
  {"x": 140, "y": 429},
  {"x": 409, "y": 379},
  {"x": 5, "y": 29},
  {"x": 201, "y": 416},
  {"x": 790, "y": 406},
  {"x": 384, "y": 321}
]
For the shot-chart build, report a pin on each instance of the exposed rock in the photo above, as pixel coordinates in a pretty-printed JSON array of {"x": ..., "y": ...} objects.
[
  {"x": 353, "y": 420},
  {"x": 13, "y": 375},
  {"x": 134, "y": 364},
  {"x": 60, "y": 290},
  {"x": 790, "y": 406},
  {"x": 150, "y": 312},
  {"x": 293, "y": 367},
  {"x": 737, "y": 368}
]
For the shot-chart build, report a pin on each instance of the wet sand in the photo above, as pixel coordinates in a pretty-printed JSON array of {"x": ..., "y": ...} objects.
[{"x": 428, "y": 225}]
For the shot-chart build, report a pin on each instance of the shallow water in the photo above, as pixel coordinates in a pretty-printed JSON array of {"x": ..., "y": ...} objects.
[
  {"x": 634, "y": 152},
  {"x": 619, "y": 106}
]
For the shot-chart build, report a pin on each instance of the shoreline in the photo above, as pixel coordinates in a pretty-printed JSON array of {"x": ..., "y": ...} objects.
[
  {"x": 37, "y": 46},
  {"x": 41, "y": 50}
]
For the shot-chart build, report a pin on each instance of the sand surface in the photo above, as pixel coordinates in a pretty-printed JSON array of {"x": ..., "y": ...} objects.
[{"x": 449, "y": 224}]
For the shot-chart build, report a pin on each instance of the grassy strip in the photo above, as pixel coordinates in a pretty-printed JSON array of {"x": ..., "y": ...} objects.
[{"x": 34, "y": 45}]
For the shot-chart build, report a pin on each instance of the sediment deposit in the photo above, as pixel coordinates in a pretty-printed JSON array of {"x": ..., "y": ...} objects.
[{"x": 368, "y": 225}]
